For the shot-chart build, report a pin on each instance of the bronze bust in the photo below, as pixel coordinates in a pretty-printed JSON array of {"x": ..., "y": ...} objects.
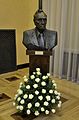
[{"x": 40, "y": 38}]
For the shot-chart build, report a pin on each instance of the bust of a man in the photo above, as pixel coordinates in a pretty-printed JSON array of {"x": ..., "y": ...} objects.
[{"x": 40, "y": 38}]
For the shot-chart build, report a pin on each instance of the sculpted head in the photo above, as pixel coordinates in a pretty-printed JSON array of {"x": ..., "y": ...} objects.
[{"x": 40, "y": 20}]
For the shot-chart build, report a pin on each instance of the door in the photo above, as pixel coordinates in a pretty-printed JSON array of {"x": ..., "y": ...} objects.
[{"x": 7, "y": 51}]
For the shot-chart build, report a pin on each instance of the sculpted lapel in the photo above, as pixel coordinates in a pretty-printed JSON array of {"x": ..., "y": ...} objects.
[{"x": 34, "y": 38}]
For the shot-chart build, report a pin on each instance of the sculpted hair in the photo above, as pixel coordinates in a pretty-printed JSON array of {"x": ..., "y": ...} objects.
[{"x": 39, "y": 11}]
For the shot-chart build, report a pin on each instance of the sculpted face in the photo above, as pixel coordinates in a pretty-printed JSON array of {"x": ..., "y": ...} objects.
[{"x": 40, "y": 20}]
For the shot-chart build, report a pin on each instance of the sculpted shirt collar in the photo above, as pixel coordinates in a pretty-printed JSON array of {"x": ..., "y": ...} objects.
[{"x": 38, "y": 33}]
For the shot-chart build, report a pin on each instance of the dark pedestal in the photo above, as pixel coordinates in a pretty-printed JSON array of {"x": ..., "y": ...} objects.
[{"x": 39, "y": 59}]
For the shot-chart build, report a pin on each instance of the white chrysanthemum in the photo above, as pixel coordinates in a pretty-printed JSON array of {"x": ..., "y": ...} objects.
[
  {"x": 22, "y": 101},
  {"x": 48, "y": 98},
  {"x": 42, "y": 109},
  {"x": 44, "y": 77},
  {"x": 18, "y": 107},
  {"x": 58, "y": 97},
  {"x": 59, "y": 94},
  {"x": 28, "y": 87},
  {"x": 20, "y": 86},
  {"x": 46, "y": 112},
  {"x": 37, "y": 80},
  {"x": 28, "y": 112},
  {"x": 43, "y": 91},
  {"x": 55, "y": 85},
  {"x": 32, "y": 76},
  {"x": 36, "y": 92},
  {"x": 25, "y": 96},
  {"x": 37, "y": 104},
  {"x": 21, "y": 83},
  {"x": 34, "y": 73},
  {"x": 46, "y": 103},
  {"x": 48, "y": 74},
  {"x": 56, "y": 93},
  {"x": 35, "y": 85},
  {"x": 59, "y": 105},
  {"x": 29, "y": 105},
  {"x": 53, "y": 100},
  {"x": 60, "y": 102},
  {"x": 38, "y": 73},
  {"x": 25, "y": 77},
  {"x": 20, "y": 92},
  {"x": 25, "y": 80},
  {"x": 15, "y": 96},
  {"x": 13, "y": 103},
  {"x": 36, "y": 113},
  {"x": 53, "y": 110},
  {"x": 40, "y": 97},
  {"x": 21, "y": 107},
  {"x": 43, "y": 83},
  {"x": 50, "y": 91},
  {"x": 18, "y": 99},
  {"x": 53, "y": 81},
  {"x": 31, "y": 96},
  {"x": 38, "y": 69}
]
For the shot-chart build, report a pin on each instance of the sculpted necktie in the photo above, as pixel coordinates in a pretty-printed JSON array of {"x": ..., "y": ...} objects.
[{"x": 41, "y": 40}]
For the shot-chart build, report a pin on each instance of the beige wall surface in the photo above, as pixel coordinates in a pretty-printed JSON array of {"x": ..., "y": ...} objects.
[{"x": 18, "y": 14}]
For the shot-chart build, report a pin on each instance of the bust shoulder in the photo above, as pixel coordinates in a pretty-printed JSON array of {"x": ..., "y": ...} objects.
[
  {"x": 29, "y": 31},
  {"x": 51, "y": 31}
]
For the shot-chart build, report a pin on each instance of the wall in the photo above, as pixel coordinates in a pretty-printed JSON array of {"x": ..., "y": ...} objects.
[{"x": 18, "y": 14}]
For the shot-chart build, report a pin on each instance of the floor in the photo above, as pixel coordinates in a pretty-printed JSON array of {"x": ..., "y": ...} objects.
[{"x": 9, "y": 83}]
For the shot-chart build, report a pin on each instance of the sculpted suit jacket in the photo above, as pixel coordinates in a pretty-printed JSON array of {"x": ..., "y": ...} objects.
[{"x": 30, "y": 40}]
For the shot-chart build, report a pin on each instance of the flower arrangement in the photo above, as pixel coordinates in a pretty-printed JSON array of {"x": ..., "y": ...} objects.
[{"x": 37, "y": 94}]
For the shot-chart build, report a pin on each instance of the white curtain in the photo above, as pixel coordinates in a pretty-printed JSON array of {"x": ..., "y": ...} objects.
[{"x": 63, "y": 16}]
